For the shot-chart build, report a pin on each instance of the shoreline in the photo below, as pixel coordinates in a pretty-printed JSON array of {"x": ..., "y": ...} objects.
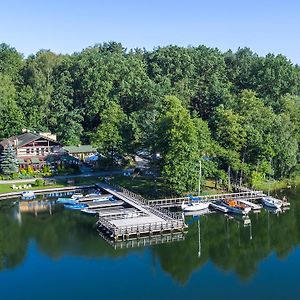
[
  {"x": 5, "y": 196},
  {"x": 276, "y": 185}
]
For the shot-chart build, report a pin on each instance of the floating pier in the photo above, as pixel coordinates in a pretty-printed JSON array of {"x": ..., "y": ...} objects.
[
  {"x": 146, "y": 221},
  {"x": 150, "y": 216}
]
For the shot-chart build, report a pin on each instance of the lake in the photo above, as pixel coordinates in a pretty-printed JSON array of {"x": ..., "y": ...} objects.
[{"x": 58, "y": 254}]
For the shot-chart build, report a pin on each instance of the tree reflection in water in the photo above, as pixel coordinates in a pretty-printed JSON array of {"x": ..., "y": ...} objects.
[{"x": 228, "y": 243}]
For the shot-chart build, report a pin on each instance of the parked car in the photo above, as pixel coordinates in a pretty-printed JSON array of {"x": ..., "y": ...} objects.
[{"x": 144, "y": 153}]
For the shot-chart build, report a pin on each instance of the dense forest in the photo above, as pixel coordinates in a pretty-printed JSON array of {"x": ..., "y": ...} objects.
[{"x": 234, "y": 111}]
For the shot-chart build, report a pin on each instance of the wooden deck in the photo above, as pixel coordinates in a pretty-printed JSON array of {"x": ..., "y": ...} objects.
[{"x": 149, "y": 221}]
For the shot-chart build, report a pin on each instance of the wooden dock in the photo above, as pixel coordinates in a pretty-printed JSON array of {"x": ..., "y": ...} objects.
[
  {"x": 129, "y": 220},
  {"x": 173, "y": 202},
  {"x": 149, "y": 221},
  {"x": 151, "y": 217},
  {"x": 104, "y": 204}
]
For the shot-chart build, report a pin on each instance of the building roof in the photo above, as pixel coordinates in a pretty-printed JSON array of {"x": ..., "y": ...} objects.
[
  {"x": 35, "y": 160},
  {"x": 24, "y": 138},
  {"x": 21, "y": 161},
  {"x": 80, "y": 149}
]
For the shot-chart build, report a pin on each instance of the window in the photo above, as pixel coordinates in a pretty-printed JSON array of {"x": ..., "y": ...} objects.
[
  {"x": 27, "y": 151},
  {"x": 32, "y": 150}
]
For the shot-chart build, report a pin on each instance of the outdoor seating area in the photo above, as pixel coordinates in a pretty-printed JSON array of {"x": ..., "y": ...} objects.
[{"x": 21, "y": 187}]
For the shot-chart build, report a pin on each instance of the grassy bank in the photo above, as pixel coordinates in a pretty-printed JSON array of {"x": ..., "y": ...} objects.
[
  {"x": 7, "y": 187},
  {"x": 274, "y": 185},
  {"x": 143, "y": 185},
  {"x": 150, "y": 189}
]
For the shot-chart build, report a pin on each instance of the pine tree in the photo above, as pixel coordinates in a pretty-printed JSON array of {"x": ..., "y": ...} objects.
[{"x": 8, "y": 161}]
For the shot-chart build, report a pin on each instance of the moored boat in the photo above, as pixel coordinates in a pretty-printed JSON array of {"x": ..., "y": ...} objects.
[
  {"x": 89, "y": 211},
  {"x": 194, "y": 206},
  {"x": 93, "y": 195},
  {"x": 272, "y": 202},
  {"x": 235, "y": 207},
  {"x": 97, "y": 198},
  {"x": 66, "y": 201},
  {"x": 28, "y": 195},
  {"x": 77, "y": 196},
  {"x": 197, "y": 213},
  {"x": 76, "y": 206},
  {"x": 219, "y": 207}
]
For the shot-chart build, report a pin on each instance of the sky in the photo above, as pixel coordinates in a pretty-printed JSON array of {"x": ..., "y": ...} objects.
[{"x": 67, "y": 26}]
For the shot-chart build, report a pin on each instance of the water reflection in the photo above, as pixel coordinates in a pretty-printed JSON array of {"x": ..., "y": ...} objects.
[{"x": 230, "y": 243}]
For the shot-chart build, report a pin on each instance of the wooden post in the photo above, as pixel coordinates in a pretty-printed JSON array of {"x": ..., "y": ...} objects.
[{"x": 229, "y": 183}]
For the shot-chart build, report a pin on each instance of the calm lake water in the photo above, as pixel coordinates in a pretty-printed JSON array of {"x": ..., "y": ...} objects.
[{"x": 61, "y": 256}]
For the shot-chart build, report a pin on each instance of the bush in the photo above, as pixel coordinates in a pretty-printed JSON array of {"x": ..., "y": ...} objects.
[
  {"x": 14, "y": 176},
  {"x": 39, "y": 182},
  {"x": 30, "y": 171}
]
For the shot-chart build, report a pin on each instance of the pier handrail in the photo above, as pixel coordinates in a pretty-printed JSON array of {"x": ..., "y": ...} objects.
[
  {"x": 156, "y": 226},
  {"x": 138, "y": 199}
]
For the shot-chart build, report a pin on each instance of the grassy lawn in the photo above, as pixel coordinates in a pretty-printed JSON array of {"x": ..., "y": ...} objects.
[
  {"x": 148, "y": 188},
  {"x": 7, "y": 187},
  {"x": 143, "y": 185}
]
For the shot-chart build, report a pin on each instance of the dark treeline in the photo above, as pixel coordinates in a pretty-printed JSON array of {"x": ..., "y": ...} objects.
[{"x": 236, "y": 110}]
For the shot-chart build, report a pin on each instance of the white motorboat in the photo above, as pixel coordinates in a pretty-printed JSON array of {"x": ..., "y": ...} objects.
[
  {"x": 272, "y": 202},
  {"x": 219, "y": 207},
  {"x": 77, "y": 196},
  {"x": 92, "y": 195},
  {"x": 28, "y": 195},
  {"x": 194, "y": 206},
  {"x": 197, "y": 212},
  {"x": 89, "y": 211}
]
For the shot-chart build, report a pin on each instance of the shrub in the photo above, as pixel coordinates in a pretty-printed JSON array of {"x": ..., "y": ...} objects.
[
  {"x": 30, "y": 170},
  {"x": 39, "y": 182},
  {"x": 15, "y": 175}
]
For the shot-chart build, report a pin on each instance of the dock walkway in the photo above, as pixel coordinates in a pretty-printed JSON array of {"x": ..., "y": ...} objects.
[
  {"x": 171, "y": 202},
  {"x": 150, "y": 220}
]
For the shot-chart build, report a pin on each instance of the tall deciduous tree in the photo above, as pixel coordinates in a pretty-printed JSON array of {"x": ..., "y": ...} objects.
[
  {"x": 178, "y": 146},
  {"x": 108, "y": 136},
  {"x": 11, "y": 116}
]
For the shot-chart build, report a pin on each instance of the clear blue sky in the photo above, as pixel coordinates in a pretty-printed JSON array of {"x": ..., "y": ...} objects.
[{"x": 66, "y": 26}]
